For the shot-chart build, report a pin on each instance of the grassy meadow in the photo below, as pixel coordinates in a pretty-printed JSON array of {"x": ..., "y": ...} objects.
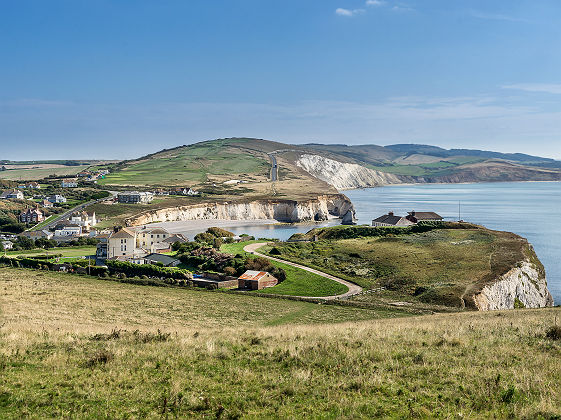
[
  {"x": 192, "y": 164},
  {"x": 298, "y": 282},
  {"x": 75, "y": 347},
  {"x": 440, "y": 267}
]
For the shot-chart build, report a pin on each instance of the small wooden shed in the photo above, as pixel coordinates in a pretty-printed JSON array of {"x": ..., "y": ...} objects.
[{"x": 256, "y": 280}]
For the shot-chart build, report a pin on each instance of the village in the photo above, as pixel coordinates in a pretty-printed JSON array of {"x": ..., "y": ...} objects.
[{"x": 120, "y": 249}]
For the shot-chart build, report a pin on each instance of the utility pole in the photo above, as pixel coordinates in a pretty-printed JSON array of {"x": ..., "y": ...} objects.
[{"x": 459, "y": 211}]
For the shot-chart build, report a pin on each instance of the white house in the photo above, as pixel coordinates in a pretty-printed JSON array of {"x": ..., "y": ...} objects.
[
  {"x": 12, "y": 194},
  {"x": 72, "y": 230},
  {"x": 7, "y": 245},
  {"x": 84, "y": 219},
  {"x": 57, "y": 199},
  {"x": 132, "y": 244},
  {"x": 69, "y": 183}
]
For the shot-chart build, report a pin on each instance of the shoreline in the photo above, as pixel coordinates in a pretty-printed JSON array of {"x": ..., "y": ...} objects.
[
  {"x": 442, "y": 183},
  {"x": 190, "y": 228}
]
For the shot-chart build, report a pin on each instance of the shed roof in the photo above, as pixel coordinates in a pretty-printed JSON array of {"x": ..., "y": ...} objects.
[{"x": 253, "y": 275}]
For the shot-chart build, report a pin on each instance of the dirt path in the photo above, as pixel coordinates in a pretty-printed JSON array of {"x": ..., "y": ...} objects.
[{"x": 353, "y": 288}]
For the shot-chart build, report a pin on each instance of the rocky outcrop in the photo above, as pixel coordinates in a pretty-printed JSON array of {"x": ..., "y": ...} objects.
[
  {"x": 523, "y": 286},
  {"x": 345, "y": 176},
  {"x": 289, "y": 211}
]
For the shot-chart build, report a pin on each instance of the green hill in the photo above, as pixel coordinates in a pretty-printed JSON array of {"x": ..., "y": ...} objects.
[{"x": 218, "y": 161}]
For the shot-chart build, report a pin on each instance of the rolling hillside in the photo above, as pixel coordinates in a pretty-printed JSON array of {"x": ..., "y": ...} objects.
[
  {"x": 213, "y": 163},
  {"x": 86, "y": 348}
]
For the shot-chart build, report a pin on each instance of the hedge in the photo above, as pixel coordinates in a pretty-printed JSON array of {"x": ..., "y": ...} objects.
[{"x": 131, "y": 270}]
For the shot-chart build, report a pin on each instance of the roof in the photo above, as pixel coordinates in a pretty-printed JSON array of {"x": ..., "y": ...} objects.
[
  {"x": 164, "y": 259},
  {"x": 176, "y": 237},
  {"x": 39, "y": 233},
  {"x": 154, "y": 230},
  {"x": 123, "y": 233},
  {"x": 423, "y": 215},
  {"x": 389, "y": 219},
  {"x": 253, "y": 275}
]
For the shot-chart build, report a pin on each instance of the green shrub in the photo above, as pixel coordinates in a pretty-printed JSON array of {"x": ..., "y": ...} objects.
[{"x": 152, "y": 270}]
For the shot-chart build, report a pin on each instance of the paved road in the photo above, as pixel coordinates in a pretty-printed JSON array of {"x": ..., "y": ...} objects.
[
  {"x": 353, "y": 288},
  {"x": 274, "y": 168},
  {"x": 67, "y": 213}
]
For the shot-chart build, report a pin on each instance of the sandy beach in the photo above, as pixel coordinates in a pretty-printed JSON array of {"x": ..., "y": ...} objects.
[{"x": 190, "y": 228}]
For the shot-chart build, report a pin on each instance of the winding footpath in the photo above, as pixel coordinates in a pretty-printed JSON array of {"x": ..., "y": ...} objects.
[{"x": 353, "y": 288}]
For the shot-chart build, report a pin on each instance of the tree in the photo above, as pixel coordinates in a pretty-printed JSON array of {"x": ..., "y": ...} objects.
[
  {"x": 205, "y": 237},
  {"x": 25, "y": 243}
]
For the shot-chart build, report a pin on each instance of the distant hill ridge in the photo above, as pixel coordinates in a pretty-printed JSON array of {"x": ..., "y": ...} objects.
[{"x": 313, "y": 165}]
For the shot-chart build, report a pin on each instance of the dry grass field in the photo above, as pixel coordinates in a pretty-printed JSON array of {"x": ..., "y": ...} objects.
[{"x": 73, "y": 347}]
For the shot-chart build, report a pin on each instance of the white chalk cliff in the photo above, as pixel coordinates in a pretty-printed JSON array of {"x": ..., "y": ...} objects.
[
  {"x": 344, "y": 176},
  {"x": 290, "y": 211},
  {"x": 524, "y": 283}
]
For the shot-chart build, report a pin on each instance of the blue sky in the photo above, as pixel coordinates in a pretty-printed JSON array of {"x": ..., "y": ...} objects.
[{"x": 118, "y": 79}]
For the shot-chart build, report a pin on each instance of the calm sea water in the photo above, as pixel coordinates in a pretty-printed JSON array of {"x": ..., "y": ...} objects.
[{"x": 526, "y": 208}]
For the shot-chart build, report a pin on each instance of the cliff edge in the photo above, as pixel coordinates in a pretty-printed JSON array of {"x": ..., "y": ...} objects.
[
  {"x": 288, "y": 211},
  {"x": 524, "y": 286}
]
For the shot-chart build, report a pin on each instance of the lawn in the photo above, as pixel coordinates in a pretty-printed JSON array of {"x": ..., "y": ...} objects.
[
  {"x": 72, "y": 347},
  {"x": 75, "y": 251},
  {"x": 298, "y": 282}
]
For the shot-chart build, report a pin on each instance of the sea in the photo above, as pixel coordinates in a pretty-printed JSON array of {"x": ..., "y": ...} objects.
[{"x": 528, "y": 209}]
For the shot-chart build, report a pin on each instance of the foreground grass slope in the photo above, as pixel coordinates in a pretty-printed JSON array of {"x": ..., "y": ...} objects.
[{"x": 66, "y": 353}]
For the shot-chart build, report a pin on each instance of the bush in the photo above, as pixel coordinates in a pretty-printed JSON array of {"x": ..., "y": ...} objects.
[
  {"x": 230, "y": 271},
  {"x": 217, "y": 243},
  {"x": 219, "y": 233},
  {"x": 275, "y": 251},
  {"x": 205, "y": 237},
  {"x": 553, "y": 332},
  {"x": 131, "y": 270}
]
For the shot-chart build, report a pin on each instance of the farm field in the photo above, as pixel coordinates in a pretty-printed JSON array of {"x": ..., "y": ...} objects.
[
  {"x": 41, "y": 172},
  {"x": 298, "y": 282},
  {"x": 80, "y": 347},
  {"x": 193, "y": 164}
]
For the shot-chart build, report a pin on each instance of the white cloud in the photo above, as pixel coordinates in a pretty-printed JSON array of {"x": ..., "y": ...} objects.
[
  {"x": 402, "y": 9},
  {"x": 375, "y": 2},
  {"x": 348, "y": 12},
  {"x": 553, "y": 88},
  {"x": 495, "y": 16}
]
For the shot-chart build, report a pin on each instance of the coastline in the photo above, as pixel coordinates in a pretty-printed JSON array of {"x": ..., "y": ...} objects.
[{"x": 443, "y": 183}]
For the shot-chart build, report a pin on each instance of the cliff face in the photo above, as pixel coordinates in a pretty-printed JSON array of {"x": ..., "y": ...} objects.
[
  {"x": 321, "y": 208},
  {"x": 524, "y": 284},
  {"x": 345, "y": 176}
]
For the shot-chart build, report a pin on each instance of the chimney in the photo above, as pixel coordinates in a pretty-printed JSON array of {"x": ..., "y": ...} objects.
[
  {"x": 390, "y": 213},
  {"x": 413, "y": 213}
]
